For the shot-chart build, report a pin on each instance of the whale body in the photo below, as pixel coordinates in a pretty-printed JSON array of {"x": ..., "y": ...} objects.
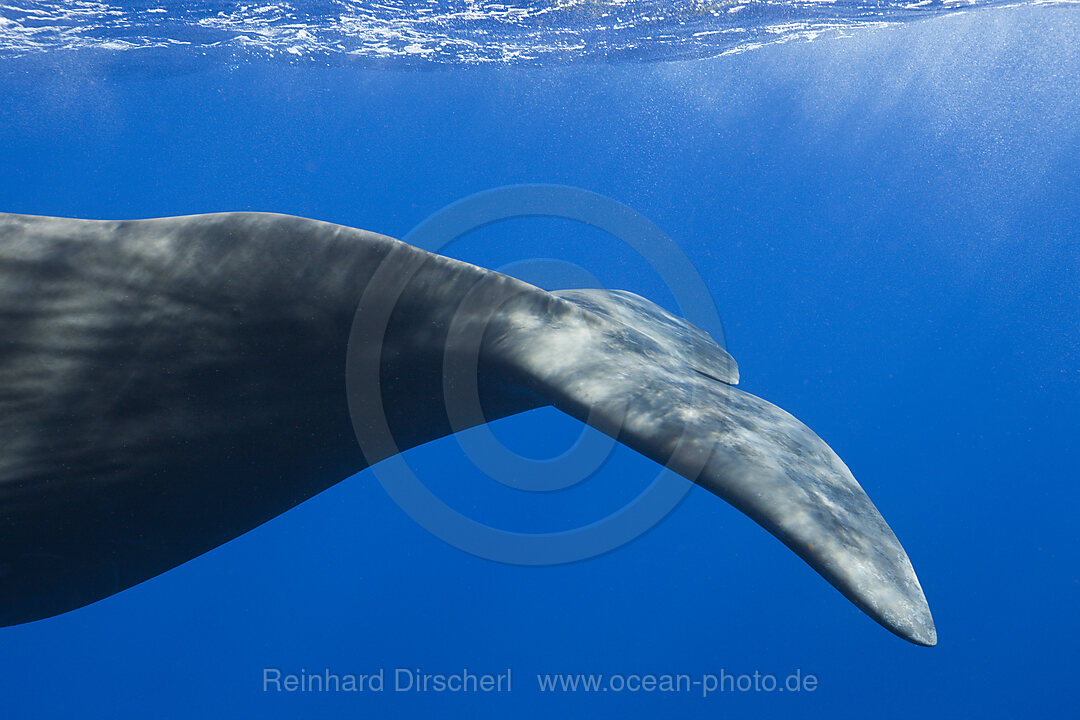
[{"x": 167, "y": 385}]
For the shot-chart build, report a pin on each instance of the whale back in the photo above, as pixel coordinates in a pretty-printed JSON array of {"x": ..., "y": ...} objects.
[{"x": 165, "y": 385}]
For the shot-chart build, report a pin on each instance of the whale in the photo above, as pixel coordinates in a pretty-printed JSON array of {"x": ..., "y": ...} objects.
[{"x": 167, "y": 385}]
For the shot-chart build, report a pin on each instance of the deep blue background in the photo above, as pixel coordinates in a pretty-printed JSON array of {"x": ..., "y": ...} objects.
[{"x": 889, "y": 225}]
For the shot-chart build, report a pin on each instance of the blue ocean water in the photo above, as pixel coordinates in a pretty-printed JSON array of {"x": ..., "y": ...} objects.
[{"x": 883, "y": 200}]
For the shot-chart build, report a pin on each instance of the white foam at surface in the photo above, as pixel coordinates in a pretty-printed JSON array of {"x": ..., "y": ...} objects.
[{"x": 452, "y": 31}]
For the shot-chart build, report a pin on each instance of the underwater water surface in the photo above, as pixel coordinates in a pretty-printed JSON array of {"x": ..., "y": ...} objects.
[{"x": 883, "y": 200}]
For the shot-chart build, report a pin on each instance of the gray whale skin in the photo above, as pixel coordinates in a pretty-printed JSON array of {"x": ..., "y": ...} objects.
[{"x": 166, "y": 385}]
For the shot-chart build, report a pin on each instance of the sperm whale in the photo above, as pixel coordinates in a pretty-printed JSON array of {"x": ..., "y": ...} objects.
[{"x": 167, "y": 385}]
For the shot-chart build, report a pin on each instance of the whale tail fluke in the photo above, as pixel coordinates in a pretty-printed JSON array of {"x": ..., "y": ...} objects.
[{"x": 662, "y": 387}]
